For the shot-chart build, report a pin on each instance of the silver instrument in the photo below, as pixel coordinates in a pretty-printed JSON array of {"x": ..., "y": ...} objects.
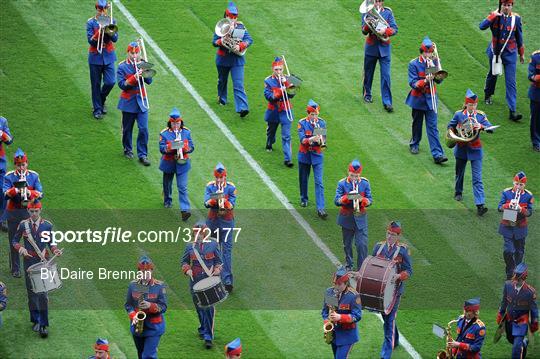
[
  {"x": 178, "y": 145},
  {"x": 284, "y": 90},
  {"x": 438, "y": 74},
  {"x": 221, "y": 200},
  {"x": 356, "y": 197},
  {"x": 374, "y": 19},
  {"x": 23, "y": 189},
  {"x": 229, "y": 36},
  {"x": 147, "y": 72},
  {"x": 321, "y": 134}
]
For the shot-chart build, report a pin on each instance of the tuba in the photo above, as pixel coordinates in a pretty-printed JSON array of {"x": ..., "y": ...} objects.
[
  {"x": 373, "y": 19},
  {"x": 224, "y": 29},
  {"x": 465, "y": 132},
  {"x": 447, "y": 353}
]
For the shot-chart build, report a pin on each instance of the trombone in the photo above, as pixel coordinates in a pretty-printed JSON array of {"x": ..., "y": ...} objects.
[
  {"x": 147, "y": 72},
  {"x": 283, "y": 87},
  {"x": 438, "y": 74},
  {"x": 106, "y": 26}
]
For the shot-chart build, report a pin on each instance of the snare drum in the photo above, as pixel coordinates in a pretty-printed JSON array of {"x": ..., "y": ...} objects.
[
  {"x": 44, "y": 282},
  {"x": 375, "y": 286},
  {"x": 209, "y": 291}
]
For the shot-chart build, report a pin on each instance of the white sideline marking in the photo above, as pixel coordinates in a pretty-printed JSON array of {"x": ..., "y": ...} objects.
[{"x": 250, "y": 160}]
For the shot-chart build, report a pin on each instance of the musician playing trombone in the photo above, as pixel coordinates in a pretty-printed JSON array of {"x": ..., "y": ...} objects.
[
  {"x": 30, "y": 232},
  {"x": 378, "y": 48},
  {"x": 472, "y": 151},
  {"x": 147, "y": 295},
  {"x": 175, "y": 144},
  {"x": 134, "y": 102},
  {"x": 101, "y": 57},
  {"x": 423, "y": 100},
  {"x": 278, "y": 92}
]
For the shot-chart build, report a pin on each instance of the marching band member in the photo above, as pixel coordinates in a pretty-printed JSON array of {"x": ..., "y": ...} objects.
[
  {"x": 471, "y": 332},
  {"x": 519, "y": 311},
  {"x": 3, "y": 300},
  {"x": 393, "y": 249},
  {"x": 131, "y": 104},
  {"x": 310, "y": 155},
  {"x": 421, "y": 102},
  {"x": 30, "y": 231},
  {"x": 101, "y": 61},
  {"x": 345, "y": 317},
  {"x": 101, "y": 349},
  {"x": 379, "y": 49},
  {"x": 149, "y": 296},
  {"x": 176, "y": 161},
  {"x": 5, "y": 138},
  {"x": 227, "y": 61},
  {"x": 211, "y": 256},
  {"x": 507, "y": 39},
  {"x": 515, "y": 233},
  {"x": 470, "y": 151},
  {"x": 233, "y": 350},
  {"x": 534, "y": 96},
  {"x": 352, "y": 215},
  {"x": 279, "y": 109},
  {"x": 21, "y": 186},
  {"x": 220, "y": 218}
]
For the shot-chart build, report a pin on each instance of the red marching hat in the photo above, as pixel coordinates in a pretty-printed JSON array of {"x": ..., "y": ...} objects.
[{"x": 520, "y": 177}]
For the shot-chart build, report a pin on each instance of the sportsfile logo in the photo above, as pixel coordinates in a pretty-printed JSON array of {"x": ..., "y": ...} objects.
[{"x": 119, "y": 235}]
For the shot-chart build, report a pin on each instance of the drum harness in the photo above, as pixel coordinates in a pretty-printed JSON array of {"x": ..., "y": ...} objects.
[
  {"x": 33, "y": 243},
  {"x": 201, "y": 262},
  {"x": 396, "y": 253}
]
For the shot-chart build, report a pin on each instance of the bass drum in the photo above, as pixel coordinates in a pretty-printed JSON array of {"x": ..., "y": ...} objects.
[{"x": 375, "y": 286}]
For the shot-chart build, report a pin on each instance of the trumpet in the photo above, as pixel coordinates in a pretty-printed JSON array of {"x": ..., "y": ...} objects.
[
  {"x": 320, "y": 133},
  {"x": 438, "y": 74},
  {"x": 140, "y": 316},
  {"x": 147, "y": 72},
  {"x": 447, "y": 353},
  {"x": 22, "y": 185},
  {"x": 224, "y": 29},
  {"x": 106, "y": 26},
  {"x": 356, "y": 201},
  {"x": 221, "y": 200},
  {"x": 179, "y": 150},
  {"x": 374, "y": 19}
]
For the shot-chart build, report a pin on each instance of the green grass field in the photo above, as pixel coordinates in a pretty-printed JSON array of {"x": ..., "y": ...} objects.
[{"x": 280, "y": 274}]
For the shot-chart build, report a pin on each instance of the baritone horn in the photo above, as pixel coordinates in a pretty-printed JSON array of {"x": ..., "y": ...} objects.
[
  {"x": 374, "y": 19},
  {"x": 225, "y": 29}
]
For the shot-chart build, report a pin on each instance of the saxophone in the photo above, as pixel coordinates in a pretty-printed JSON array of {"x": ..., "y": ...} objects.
[
  {"x": 140, "y": 316},
  {"x": 328, "y": 328},
  {"x": 447, "y": 353}
]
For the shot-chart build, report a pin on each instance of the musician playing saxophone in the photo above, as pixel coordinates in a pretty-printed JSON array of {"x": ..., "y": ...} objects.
[
  {"x": 175, "y": 144},
  {"x": 345, "y": 317},
  {"x": 379, "y": 49},
  {"x": 471, "y": 151},
  {"x": 471, "y": 332},
  {"x": 148, "y": 295}
]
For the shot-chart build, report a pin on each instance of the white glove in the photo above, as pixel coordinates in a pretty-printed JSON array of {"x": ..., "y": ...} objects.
[
  {"x": 23, "y": 252},
  {"x": 144, "y": 305}
]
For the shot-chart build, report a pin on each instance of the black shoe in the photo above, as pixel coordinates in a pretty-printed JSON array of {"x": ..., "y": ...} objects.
[
  {"x": 481, "y": 210},
  {"x": 303, "y": 203},
  {"x": 229, "y": 288},
  {"x": 98, "y": 115},
  {"x": 128, "y": 155},
  {"x": 208, "y": 344},
  {"x": 185, "y": 215},
  {"x": 440, "y": 160},
  {"x": 514, "y": 116},
  {"x": 389, "y": 108},
  {"x": 322, "y": 213},
  {"x": 488, "y": 100},
  {"x": 167, "y": 205},
  {"x": 43, "y": 332},
  {"x": 413, "y": 150},
  {"x": 104, "y": 110},
  {"x": 144, "y": 161},
  {"x": 35, "y": 327},
  {"x": 221, "y": 102},
  {"x": 16, "y": 274},
  {"x": 368, "y": 99},
  {"x": 288, "y": 164},
  {"x": 458, "y": 197},
  {"x": 243, "y": 113},
  {"x": 269, "y": 148}
]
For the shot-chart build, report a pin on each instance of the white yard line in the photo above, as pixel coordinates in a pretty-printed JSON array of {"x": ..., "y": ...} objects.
[{"x": 249, "y": 159}]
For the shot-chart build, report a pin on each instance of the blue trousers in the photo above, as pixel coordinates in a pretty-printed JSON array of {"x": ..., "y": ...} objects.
[
  {"x": 271, "y": 130},
  {"x": 206, "y": 315},
  {"x": 181, "y": 184},
  {"x": 14, "y": 257},
  {"x": 128, "y": 120},
  {"x": 237, "y": 75},
  {"x": 303, "y": 176},
  {"x": 99, "y": 92},
  {"x": 478, "y": 186},
  {"x": 147, "y": 346},
  {"x": 37, "y": 303},
  {"x": 2, "y": 199},
  {"x": 513, "y": 253},
  {"x": 341, "y": 351},
  {"x": 360, "y": 236},
  {"x": 431, "y": 129},
  {"x": 369, "y": 69},
  {"x": 391, "y": 333},
  {"x": 509, "y": 65},
  {"x": 535, "y": 123},
  {"x": 225, "y": 234}
]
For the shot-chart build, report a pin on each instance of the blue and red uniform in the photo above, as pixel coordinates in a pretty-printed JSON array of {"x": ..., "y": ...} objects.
[
  {"x": 102, "y": 345},
  {"x": 310, "y": 154},
  {"x": 220, "y": 219},
  {"x": 470, "y": 335},
  {"x": 504, "y": 28},
  {"x": 3, "y": 300},
  {"x": 515, "y": 233},
  {"x": 345, "y": 333},
  {"x": 228, "y": 62},
  {"x": 101, "y": 64},
  {"x": 419, "y": 99},
  {"x": 520, "y": 311},
  {"x": 5, "y": 138},
  {"x": 534, "y": 96},
  {"x": 375, "y": 50},
  {"x": 154, "y": 292},
  {"x": 233, "y": 348},
  {"x": 132, "y": 106},
  {"x": 172, "y": 164},
  {"x": 353, "y": 221}
]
